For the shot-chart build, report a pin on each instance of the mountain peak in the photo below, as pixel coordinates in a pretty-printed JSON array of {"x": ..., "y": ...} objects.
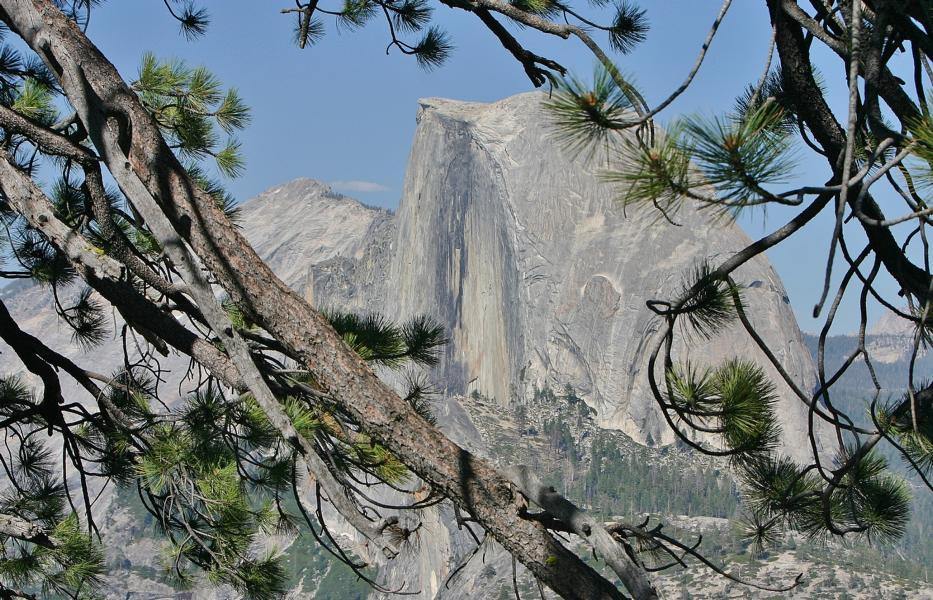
[
  {"x": 460, "y": 110},
  {"x": 302, "y": 186},
  {"x": 304, "y": 222},
  {"x": 527, "y": 259},
  {"x": 891, "y": 324}
]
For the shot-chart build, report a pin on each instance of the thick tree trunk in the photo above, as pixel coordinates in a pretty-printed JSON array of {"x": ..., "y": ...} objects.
[{"x": 21, "y": 529}]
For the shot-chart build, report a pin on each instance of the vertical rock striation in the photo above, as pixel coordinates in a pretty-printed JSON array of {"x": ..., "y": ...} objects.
[{"x": 523, "y": 254}]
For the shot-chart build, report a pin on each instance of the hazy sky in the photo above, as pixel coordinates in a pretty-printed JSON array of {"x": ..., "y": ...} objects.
[{"x": 343, "y": 111}]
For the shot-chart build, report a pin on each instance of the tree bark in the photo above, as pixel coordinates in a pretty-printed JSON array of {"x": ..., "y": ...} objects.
[{"x": 21, "y": 529}]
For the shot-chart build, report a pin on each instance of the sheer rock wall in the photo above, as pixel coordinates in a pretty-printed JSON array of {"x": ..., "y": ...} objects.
[{"x": 541, "y": 277}]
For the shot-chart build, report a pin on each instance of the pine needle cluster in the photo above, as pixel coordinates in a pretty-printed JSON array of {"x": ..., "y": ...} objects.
[
  {"x": 190, "y": 106},
  {"x": 43, "y": 545},
  {"x": 897, "y": 420},
  {"x": 403, "y": 18},
  {"x": 735, "y": 401},
  {"x": 725, "y": 162},
  {"x": 584, "y": 117}
]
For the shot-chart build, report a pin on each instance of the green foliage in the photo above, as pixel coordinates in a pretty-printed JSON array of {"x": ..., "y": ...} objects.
[
  {"x": 878, "y": 501},
  {"x": 380, "y": 341},
  {"x": 907, "y": 556},
  {"x": 193, "y": 475},
  {"x": 303, "y": 418},
  {"x": 655, "y": 170},
  {"x": 583, "y": 116},
  {"x": 707, "y": 301},
  {"x": 70, "y": 202},
  {"x": 16, "y": 71},
  {"x": 779, "y": 486},
  {"x": 921, "y": 130},
  {"x": 87, "y": 320},
  {"x": 422, "y": 338},
  {"x": 538, "y": 7},
  {"x": 746, "y": 403},
  {"x": 410, "y": 16},
  {"x": 629, "y": 27},
  {"x": 43, "y": 261},
  {"x": 216, "y": 473},
  {"x": 734, "y": 156},
  {"x": 735, "y": 400},
  {"x": 897, "y": 419},
  {"x": 77, "y": 558},
  {"x": 190, "y": 107},
  {"x": 402, "y": 17},
  {"x": 754, "y": 98},
  {"x": 192, "y": 21},
  {"x": 63, "y": 559},
  {"x": 433, "y": 49},
  {"x": 356, "y": 13},
  {"x": 741, "y": 154},
  {"x": 864, "y": 498},
  {"x": 14, "y": 395},
  {"x": 419, "y": 394},
  {"x": 187, "y": 103},
  {"x": 36, "y": 102},
  {"x": 144, "y": 242},
  {"x": 308, "y": 31},
  {"x": 375, "y": 458},
  {"x": 237, "y": 317}
]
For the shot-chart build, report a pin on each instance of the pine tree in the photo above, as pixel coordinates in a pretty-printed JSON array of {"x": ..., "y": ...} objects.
[
  {"x": 288, "y": 394},
  {"x": 285, "y": 394}
]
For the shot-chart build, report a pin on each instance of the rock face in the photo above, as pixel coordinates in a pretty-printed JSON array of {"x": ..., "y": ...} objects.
[
  {"x": 331, "y": 247},
  {"x": 523, "y": 254},
  {"x": 891, "y": 339},
  {"x": 541, "y": 277}
]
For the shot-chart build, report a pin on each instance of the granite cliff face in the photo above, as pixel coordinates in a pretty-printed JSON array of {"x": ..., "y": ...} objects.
[
  {"x": 525, "y": 257},
  {"x": 891, "y": 339},
  {"x": 327, "y": 245},
  {"x": 541, "y": 277}
]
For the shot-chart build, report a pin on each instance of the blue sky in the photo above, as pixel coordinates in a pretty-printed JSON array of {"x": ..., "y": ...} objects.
[{"x": 343, "y": 111}]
